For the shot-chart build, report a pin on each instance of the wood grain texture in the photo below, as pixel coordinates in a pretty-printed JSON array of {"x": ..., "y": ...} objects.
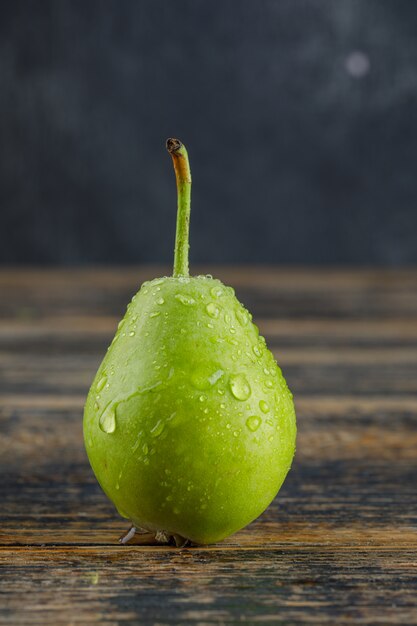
[{"x": 338, "y": 545}]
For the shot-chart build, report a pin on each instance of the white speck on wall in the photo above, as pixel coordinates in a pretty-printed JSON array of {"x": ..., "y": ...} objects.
[{"x": 357, "y": 64}]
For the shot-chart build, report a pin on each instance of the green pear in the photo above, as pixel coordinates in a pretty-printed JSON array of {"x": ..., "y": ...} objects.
[{"x": 189, "y": 424}]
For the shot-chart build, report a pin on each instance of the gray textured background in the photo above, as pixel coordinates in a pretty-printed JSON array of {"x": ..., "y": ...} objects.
[{"x": 300, "y": 118}]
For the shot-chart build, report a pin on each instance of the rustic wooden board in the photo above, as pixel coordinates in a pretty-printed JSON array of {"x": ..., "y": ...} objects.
[{"x": 338, "y": 545}]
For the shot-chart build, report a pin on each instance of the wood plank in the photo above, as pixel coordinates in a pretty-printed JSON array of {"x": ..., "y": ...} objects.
[
  {"x": 289, "y": 277},
  {"x": 267, "y": 292},
  {"x": 276, "y": 330},
  {"x": 284, "y": 585}
]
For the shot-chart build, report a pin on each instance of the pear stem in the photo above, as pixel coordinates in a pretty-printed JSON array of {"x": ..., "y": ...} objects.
[{"x": 179, "y": 156}]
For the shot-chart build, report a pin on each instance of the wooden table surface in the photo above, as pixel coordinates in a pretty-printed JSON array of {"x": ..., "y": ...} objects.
[{"x": 338, "y": 545}]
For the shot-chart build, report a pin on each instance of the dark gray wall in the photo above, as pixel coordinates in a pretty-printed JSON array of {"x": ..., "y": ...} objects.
[{"x": 300, "y": 118}]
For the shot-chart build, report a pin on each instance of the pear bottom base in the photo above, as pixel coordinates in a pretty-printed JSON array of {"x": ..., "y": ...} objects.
[{"x": 141, "y": 537}]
